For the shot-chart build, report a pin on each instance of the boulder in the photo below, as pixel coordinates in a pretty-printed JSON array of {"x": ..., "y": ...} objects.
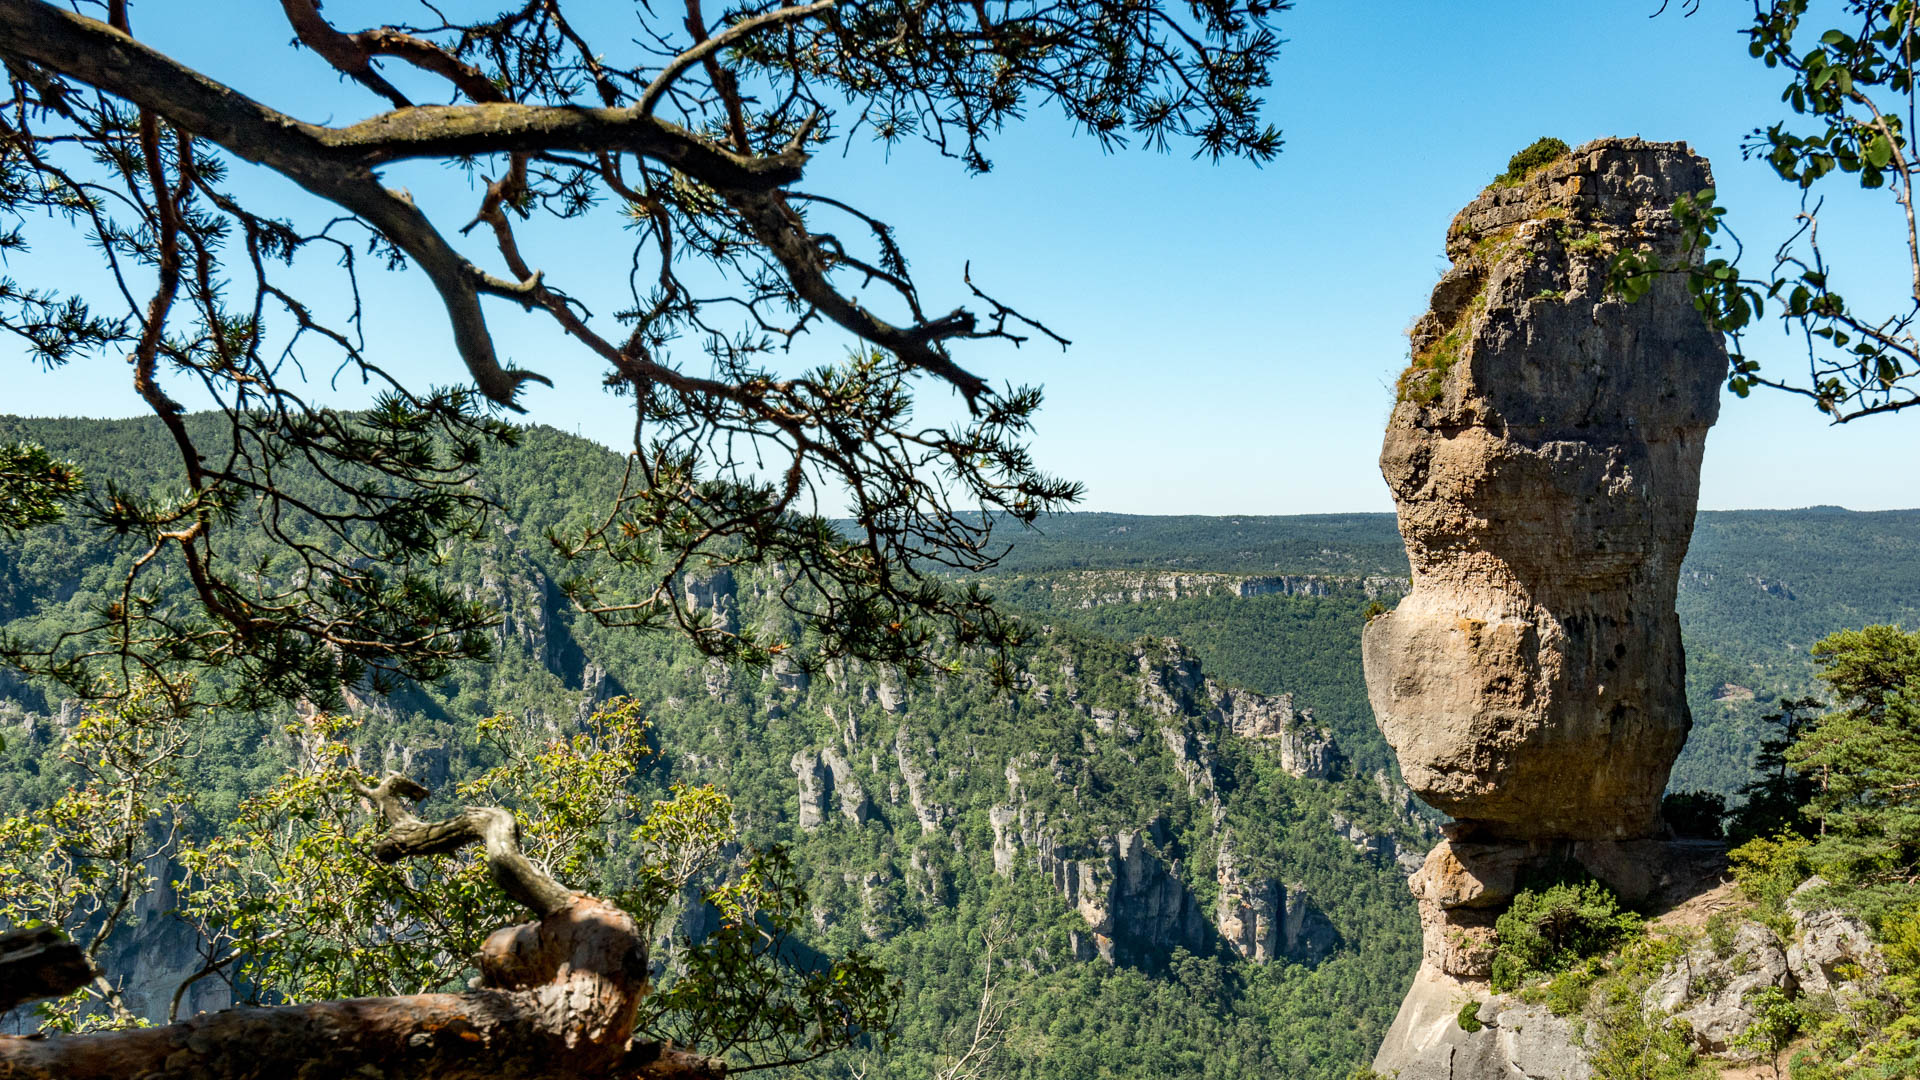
[{"x": 1514, "y": 1041}]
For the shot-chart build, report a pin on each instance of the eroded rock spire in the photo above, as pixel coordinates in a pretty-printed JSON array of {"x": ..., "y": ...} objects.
[
  {"x": 1545, "y": 459},
  {"x": 1544, "y": 455}
]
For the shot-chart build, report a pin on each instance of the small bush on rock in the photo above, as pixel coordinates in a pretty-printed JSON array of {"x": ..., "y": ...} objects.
[
  {"x": 1541, "y": 152},
  {"x": 1550, "y": 931}
]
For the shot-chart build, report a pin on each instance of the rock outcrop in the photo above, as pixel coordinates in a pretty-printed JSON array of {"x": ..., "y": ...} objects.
[
  {"x": 929, "y": 813},
  {"x": 1384, "y": 844},
  {"x": 1138, "y": 907},
  {"x": 1829, "y": 945},
  {"x": 1544, "y": 457},
  {"x": 815, "y": 782},
  {"x": 1174, "y": 687},
  {"x": 1514, "y": 1041},
  {"x": 154, "y": 954},
  {"x": 823, "y": 773},
  {"x": 1545, "y": 460},
  {"x": 1264, "y": 920},
  {"x": 1097, "y": 588},
  {"x": 1712, "y": 989}
]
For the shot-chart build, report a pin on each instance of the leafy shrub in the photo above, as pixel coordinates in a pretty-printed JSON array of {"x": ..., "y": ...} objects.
[
  {"x": 1776, "y": 1020},
  {"x": 1569, "y": 991},
  {"x": 1720, "y": 930},
  {"x": 1469, "y": 1018},
  {"x": 1632, "y": 1042},
  {"x": 1552, "y": 930},
  {"x": 1771, "y": 867},
  {"x": 1538, "y": 154}
]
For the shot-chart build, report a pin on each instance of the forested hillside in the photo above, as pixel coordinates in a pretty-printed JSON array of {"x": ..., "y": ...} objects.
[
  {"x": 1194, "y": 880},
  {"x": 1758, "y": 588},
  {"x": 1198, "y": 880}
]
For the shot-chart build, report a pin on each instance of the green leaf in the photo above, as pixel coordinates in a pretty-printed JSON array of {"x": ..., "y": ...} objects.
[{"x": 1879, "y": 151}]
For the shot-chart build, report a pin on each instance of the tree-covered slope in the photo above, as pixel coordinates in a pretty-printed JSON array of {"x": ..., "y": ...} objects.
[
  {"x": 1758, "y": 588},
  {"x": 1191, "y": 880},
  {"x": 1127, "y": 819}
]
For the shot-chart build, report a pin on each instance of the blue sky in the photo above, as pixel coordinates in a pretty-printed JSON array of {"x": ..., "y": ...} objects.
[{"x": 1236, "y": 330}]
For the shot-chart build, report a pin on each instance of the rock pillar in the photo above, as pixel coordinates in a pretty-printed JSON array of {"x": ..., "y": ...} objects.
[{"x": 1544, "y": 455}]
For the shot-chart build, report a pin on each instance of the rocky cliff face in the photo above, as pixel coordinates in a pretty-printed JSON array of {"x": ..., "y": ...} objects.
[
  {"x": 1132, "y": 884},
  {"x": 1191, "y": 705},
  {"x": 1264, "y": 920},
  {"x": 154, "y": 955},
  {"x": 1096, "y": 588},
  {"x": 1545, "y": 460},
  {"x": 1129, "y": 885}
]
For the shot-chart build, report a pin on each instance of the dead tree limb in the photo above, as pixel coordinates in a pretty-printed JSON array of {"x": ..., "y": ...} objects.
[{"x": 557, "y": 998}]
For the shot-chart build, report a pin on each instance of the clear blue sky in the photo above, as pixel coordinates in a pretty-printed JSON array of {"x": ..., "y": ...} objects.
[{"x": 1236, "y": 330}]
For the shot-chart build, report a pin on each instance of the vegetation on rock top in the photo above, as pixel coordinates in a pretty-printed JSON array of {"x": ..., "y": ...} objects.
[{"x": 1535, "y": 156}]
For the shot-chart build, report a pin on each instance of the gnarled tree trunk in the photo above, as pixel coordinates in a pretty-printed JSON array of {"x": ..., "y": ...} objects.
[{"x": 557, "y": 998}]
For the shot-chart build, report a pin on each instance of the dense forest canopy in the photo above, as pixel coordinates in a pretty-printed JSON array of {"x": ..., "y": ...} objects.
[{"x": 917, "y": 896}]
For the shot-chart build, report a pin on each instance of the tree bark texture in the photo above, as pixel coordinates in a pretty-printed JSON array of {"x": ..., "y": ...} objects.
[
  {"x": 557, "y": 1000},
  {"x": 37, "y": 964}
]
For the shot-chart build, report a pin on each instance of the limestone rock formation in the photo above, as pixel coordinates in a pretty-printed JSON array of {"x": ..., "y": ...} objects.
[
  {"x": 1264, "y": 920},
  {"x": 1514, "y": 1042},
  {"x": 1095, "y": 588},
  {"x": 155, "y": 953},
  {"x": 815, "y": 782},
  {"x": 714, "y": 594},
  {"x": 1174, "y": 686},
  {"x": 1545, "y": 459},
  {"x": 854, "y": 804},
  {"x": 929, "y": 813},
  {"x": 1713, "y": 992},
  {"x": 1544, "y": 456},
  {"x": 1830, "y": 945}
]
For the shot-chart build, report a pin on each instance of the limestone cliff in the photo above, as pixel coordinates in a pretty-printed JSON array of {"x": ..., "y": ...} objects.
[{"x": 1097, "y": 588}]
